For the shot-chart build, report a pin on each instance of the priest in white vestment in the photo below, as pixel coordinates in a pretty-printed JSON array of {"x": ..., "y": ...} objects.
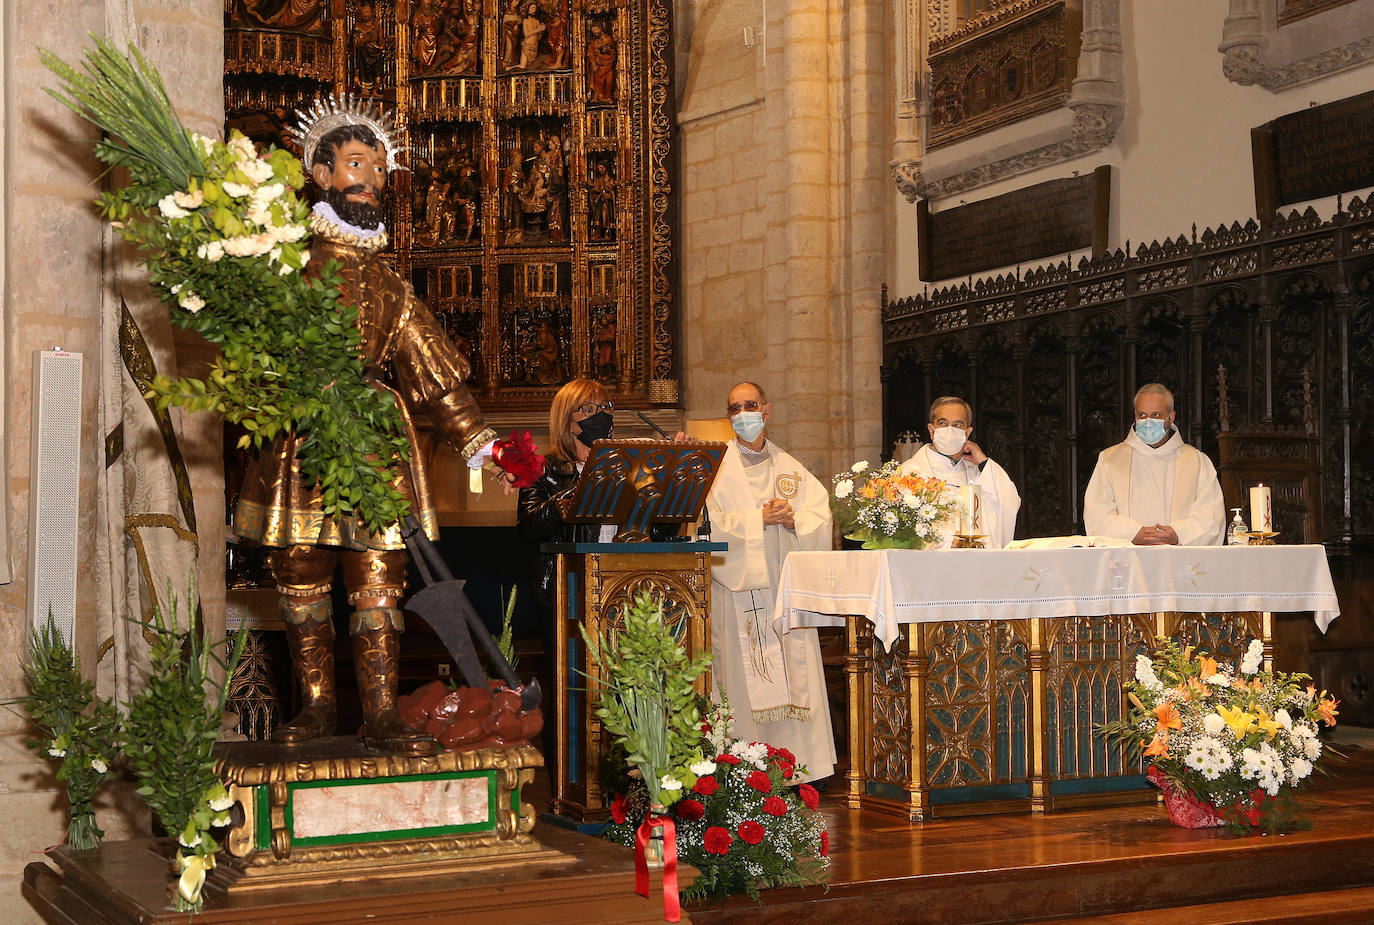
[
  {"x": 1152, "y": 488},
  {"x": 765, "y": 504},
  {"x": 953, "y": 457}
]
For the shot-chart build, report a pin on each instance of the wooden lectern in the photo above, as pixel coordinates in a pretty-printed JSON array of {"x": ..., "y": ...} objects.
[{"x": 633, "y": 484}]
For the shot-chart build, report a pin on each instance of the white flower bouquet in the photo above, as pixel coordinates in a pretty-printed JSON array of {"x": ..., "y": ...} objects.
[
  {"x": 887, "y": 510},
  {"x": 1227, "y": 744}
]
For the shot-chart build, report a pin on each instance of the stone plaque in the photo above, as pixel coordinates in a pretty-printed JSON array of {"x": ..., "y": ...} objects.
[
  {"x": 1314, "y": 153},
  {"x": 1050, "y": 218}
]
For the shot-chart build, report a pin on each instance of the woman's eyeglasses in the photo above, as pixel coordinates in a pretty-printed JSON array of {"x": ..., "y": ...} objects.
[{"x": 591, "y": 408}]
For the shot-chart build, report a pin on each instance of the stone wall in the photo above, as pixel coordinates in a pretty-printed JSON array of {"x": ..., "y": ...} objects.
[
  {"x": 58, "y": 287},
  {"x": 784, "y": 208}
]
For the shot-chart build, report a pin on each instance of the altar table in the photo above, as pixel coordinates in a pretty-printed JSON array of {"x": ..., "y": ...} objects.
[{"x": 977, "y": 678}]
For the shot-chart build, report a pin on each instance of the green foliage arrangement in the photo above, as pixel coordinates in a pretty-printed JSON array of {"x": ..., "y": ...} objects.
[
  {"x": 647, "y": 701},
  {"x": 221, "y": 230},
  {"x": 169, "y": 735},
  {"x": 506, "y": 641},
  {"x": 78, "y": 729}
]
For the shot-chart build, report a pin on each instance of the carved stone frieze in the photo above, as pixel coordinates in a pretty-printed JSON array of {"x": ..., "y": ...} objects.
[{"x": 1314, "y": 42}]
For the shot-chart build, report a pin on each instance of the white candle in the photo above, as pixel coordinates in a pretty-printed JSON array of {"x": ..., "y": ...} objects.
[
  {"x": 1261, "y": 510},
  {"x": 970, "y": 509}
]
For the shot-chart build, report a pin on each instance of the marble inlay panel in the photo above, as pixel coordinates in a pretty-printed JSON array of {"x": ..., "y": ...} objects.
[{"x": 349, "y": 809}]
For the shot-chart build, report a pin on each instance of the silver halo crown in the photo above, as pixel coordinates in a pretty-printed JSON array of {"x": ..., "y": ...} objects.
[{"x": 331, "y": 112}]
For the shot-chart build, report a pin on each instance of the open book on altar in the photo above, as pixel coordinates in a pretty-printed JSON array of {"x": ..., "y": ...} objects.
[{"x": 1066, "y": 542}]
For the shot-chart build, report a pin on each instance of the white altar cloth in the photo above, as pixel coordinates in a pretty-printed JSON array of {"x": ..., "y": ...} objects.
[{"x": 894, "y": 586}]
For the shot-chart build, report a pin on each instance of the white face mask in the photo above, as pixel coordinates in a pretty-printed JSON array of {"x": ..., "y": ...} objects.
[{"x": 949, "y": 441}]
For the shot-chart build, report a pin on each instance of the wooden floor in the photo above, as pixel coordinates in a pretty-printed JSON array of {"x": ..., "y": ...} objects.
[{"x": 1124, "y": 865}]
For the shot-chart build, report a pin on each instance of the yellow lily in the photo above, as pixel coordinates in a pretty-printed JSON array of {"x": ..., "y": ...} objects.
[
  {"x": 1267, "y": 724},
  {"x": 1236, "y": 718}
]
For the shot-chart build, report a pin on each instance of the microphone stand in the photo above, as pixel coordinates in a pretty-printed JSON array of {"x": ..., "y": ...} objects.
[{"x": 703, "y": 531}]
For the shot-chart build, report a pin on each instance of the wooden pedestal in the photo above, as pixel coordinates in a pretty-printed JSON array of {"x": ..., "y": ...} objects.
[{"x": 596, "y": 582}]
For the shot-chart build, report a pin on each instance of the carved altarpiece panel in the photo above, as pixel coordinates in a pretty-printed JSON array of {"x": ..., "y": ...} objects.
[{"x": 535, "y": 218}]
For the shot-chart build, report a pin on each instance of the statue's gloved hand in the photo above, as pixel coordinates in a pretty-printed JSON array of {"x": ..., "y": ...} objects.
[{"x": 480, "y": 458}]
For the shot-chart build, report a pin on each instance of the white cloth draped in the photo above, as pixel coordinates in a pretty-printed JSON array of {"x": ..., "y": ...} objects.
[
  {"x": 1136, "y": 485},
  {"x": 774, "y": 682},
  {"x": 1001, "y": 500}
]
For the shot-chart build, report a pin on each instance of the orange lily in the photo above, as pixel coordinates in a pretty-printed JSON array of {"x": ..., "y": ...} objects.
[
  {"x": 1159, "y": 746},
  {"x": 1326, "y": 708},
  {"x": 1166, "y": 718},
  {"x": 1207, "y": 666}
]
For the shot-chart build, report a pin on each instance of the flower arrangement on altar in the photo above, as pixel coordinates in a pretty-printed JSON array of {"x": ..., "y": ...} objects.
[
  {"x": 744, "y": 819},
  {"x": 1227, "y": 744},
  {"x": 887, "y": 510}
]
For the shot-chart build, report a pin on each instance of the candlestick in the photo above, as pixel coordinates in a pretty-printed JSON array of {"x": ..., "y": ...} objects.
[
  {"x": 1261, "y": 509},
  {"x": 970, "y": 509}
]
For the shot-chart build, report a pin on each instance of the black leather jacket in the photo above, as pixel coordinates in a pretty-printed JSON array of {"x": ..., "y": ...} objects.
[{"x": 539, "y": 522}]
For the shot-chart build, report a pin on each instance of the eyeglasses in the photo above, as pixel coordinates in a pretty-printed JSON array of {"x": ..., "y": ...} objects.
[
  {"x": 591, "y": 408},
  {"x": 739, "y": 406}
]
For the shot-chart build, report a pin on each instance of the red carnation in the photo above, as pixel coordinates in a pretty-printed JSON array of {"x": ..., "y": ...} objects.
[
  {"x": 727, "y": 759},
  {"x": 775, "y": 806},
  {"x": 787, "y": 769},
  {"x": 786, "y": 755},
  {"x": 751, "y": 832},
  {"x": 717, "y": 840},
  {"x": 690, "y": 809},
  {"x": 618, "y": 810},
  {"x": 759, "y": 781},
  {"x": 825, "y": 844},
  {"x": 519, "y": 459},
  {"x": 809, "y": 796},
  {"x": 707, "y": 786}
]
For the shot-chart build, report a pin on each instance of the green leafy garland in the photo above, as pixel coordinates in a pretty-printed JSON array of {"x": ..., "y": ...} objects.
[
  {"x": 647, "y": 701},
  {"x": 222, "y": 233},
  {"x": 79, "y": 729},
  {"x": 169, "y": 737}
]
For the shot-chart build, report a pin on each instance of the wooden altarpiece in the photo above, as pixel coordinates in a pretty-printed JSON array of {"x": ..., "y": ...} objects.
[{"x": 535, "y": 217}]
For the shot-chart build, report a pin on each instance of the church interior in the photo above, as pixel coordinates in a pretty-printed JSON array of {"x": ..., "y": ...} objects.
[{"x": 857, "y": 207}]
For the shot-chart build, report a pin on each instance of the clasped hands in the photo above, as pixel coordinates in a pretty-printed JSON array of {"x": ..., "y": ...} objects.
[
  {"x": 778, "y": 511},
  {"x": 1158, "y": 535}
]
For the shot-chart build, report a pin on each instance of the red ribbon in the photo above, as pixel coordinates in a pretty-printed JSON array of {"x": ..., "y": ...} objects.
[{"x": 672, "y": 906}]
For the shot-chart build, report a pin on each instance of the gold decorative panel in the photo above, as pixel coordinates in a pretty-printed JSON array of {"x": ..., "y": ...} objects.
[
  {"x": 1014, "y": 61},
  {"x": 535, "y": 218}
]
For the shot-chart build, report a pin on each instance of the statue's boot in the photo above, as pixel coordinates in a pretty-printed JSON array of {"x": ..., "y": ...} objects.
[
  {"x": 310, "y": 635},
  {"x": 376, "y": 656}
]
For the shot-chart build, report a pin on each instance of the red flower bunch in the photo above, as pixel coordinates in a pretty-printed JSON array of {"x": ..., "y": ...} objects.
[
  {"x": 809, "y": 796},
  {"x": 761, "y": 782},
  {"x": 727, "y": 759},
  {"x": 518, "y": 458},
  {"x": 775, "y": 806},
  {"x": 825, "y": 843},
  {"x": 707, "y": 786},
  {"x": 750, "y": 831},
  {"x": 618, "y": 809},
  {"x": 717, "y": 840},
  {"x": 690, "y": 809}
]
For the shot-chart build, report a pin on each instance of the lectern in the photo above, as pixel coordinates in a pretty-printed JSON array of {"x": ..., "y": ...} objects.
[{"x": 633, "y": 484}]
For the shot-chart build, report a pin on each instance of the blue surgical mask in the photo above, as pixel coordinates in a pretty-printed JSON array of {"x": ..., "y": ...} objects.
[
  {"x": 1151, "y": 430},
  {"x": 748, "y": 425}
]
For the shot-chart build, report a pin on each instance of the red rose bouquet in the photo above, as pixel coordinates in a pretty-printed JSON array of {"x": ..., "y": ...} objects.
[
  {"x": 518, "y": 458},
  {"x": 746, "y": 821}
]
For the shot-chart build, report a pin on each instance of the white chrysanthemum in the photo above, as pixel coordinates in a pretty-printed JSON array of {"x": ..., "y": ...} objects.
[
  {"x": 1145, "y": 674},
  {"x": 168, "y": 207},
  {"x": 266, "y": 195},
  {"x": 1283, "y": 718},
  {"x": 702, "y": 768},
  {"x": 219, "y": 798},
  {"x": 243, "y": 148},
  {"x": 189, "y": 200},
  {"x": 1312, "y": 748},
  {"x": 289, "y": 233},
  {"x": 257, "y": 171},
  {"x": 844, "y": 488},
  {"x": 188, "y": 844},
  {"x": 859, "y": 466},
  {"x": 669, "y": 782},
  {"x": 237, "y": 190},
  {"x": 1218, "y": 680},
  {"x": 99, "y": 766},
  {"x": 1250, "y": 664},
  {"x": 1213, "y": 724},
  {"x": 259, "y": 215},
  {"x": 1299, "y": 769},
  {"x": 221, "y": 820},
  {"x": 210, "y": 251}
]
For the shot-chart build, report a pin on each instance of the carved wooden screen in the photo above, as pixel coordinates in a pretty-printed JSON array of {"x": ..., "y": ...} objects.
[{"x": 536, "y": 216}]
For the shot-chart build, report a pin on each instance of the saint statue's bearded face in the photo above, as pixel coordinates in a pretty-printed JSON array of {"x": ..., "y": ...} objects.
[{"x": 354, "y": 183}]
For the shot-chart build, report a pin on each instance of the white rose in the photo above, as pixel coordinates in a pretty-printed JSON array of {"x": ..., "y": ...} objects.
[
  {"x": 259, "y": 215},
  {"x": 844, "y": 488},
  {"x": 258, "y": 171},
  {"x": 56, "y": 752},
  {"x": 859, "y": 466},
  {"x": 669, "y": 783},
  {"x": 168, "y": 207},
  {"x": 243, "y": 147},
  {"x": 305, "y": 257},
  {"x": 189, "y": 200},
  {"x": 210, "y": 251},
  {"x": 290, "y": 233},
  {"x": 285, "y": 270},
  {"x": 909, "y": 498},
  {"x": 237, "y": 190},
  {"x": 1212, "y": 723},
  {"x": 99, "y": 766},
  {"x": 191, "y": 302},
  {"x": 264, "y": 195},
  {"x": 702, "y": 768}
]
